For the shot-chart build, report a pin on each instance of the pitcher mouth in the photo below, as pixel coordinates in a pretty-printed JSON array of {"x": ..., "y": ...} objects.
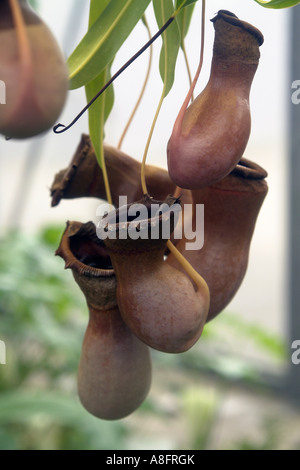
[
  {"x": 250, "y": 170},
  {"x": 142, "y": 217},
  {"x": 83, "y": 251},
  {"x": 234, "y": 20}
]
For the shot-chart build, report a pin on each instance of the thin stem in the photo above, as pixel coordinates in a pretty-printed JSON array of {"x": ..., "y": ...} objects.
[
  {"x": 142, "y": 91},
  {"x": 179, "y": 8},
  {"x": 20, "y": 26},
  {"x": 143, "y": 167},
  {"x": 177, "y": 192},
  {"x": 186, "y": 58},
  {"x": 179, "y": 119},
  {"x": 187, "y": 66},
  {"x": 178, "y": 122},
  {"x": 191, "y": 272},
  {"x": 105, "y": 176},
  {"x": 102, "y": 156}
]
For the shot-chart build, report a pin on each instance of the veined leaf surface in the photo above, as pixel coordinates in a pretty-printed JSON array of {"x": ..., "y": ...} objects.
[
  {"x": 103, "y": 39},
  {"x": 163, "y": 10},
  {"x": 101, "y": 108}
]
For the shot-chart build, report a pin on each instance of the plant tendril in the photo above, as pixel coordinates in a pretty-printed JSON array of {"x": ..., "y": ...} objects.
[
  {"x": 178, "y": 122},
  {"x": 142, "y": 91}
]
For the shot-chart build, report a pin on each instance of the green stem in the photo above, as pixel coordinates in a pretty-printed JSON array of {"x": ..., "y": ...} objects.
[
  {"x": 179, "y": 119},
  {"x": 101, "y": 156},
  {"x": 191, "y": 272},
  {"x": 142, "y": 91},
  {"x": 143, "y": 167},
  {"x": 186, "y": 59}
]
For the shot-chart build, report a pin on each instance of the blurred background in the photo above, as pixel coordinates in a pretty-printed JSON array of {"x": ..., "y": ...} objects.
[{"x": 227, "y": 391}]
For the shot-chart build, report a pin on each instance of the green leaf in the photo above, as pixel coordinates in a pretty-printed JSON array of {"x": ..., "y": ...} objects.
[
  {"x": 278, "y": 3},
  {"x": 99, "y": 111},
  {"x": 184, "y": 20},
  {"x": 163, "y": 10},
  {"x": 184, "y": 3},
  {"x": 103, "y": 39},
  {"x": 96, "y": 8},
  {"x": 101, "y": 108}
]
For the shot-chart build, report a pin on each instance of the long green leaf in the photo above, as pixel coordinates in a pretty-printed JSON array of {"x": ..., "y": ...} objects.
[
  {"x": 278, "y": 3},
  {"x": 184, "y": 3},
  {"x": 163, "y": 10},
  {"x": 100, "y": 44},
  {"x": 96, "y": 9},
  {"x": 184, "y": 20},
  {"x": 101, "y": 108},
  {"x": 99, "y": 111}
]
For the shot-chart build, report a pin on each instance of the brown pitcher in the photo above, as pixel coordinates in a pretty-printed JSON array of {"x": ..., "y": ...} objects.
[
  {"x": 157, "y": 301},
  {"x": 114, "y": 373},
  {"x": 210, "y": 135},
  {"x": 231, "y": 207},
  {"x": 83, "y": 177},
  {"x": 33, "y": 69}
]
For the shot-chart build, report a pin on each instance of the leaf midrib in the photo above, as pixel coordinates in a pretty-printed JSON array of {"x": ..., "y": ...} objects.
[{"x": 99, "y": 44}]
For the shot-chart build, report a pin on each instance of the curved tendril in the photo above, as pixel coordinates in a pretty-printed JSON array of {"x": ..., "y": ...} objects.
[
  {"x": 191, "y": 272},
  {"x": 189, "y": 96},
  {"x": 142, "y": 91}
]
